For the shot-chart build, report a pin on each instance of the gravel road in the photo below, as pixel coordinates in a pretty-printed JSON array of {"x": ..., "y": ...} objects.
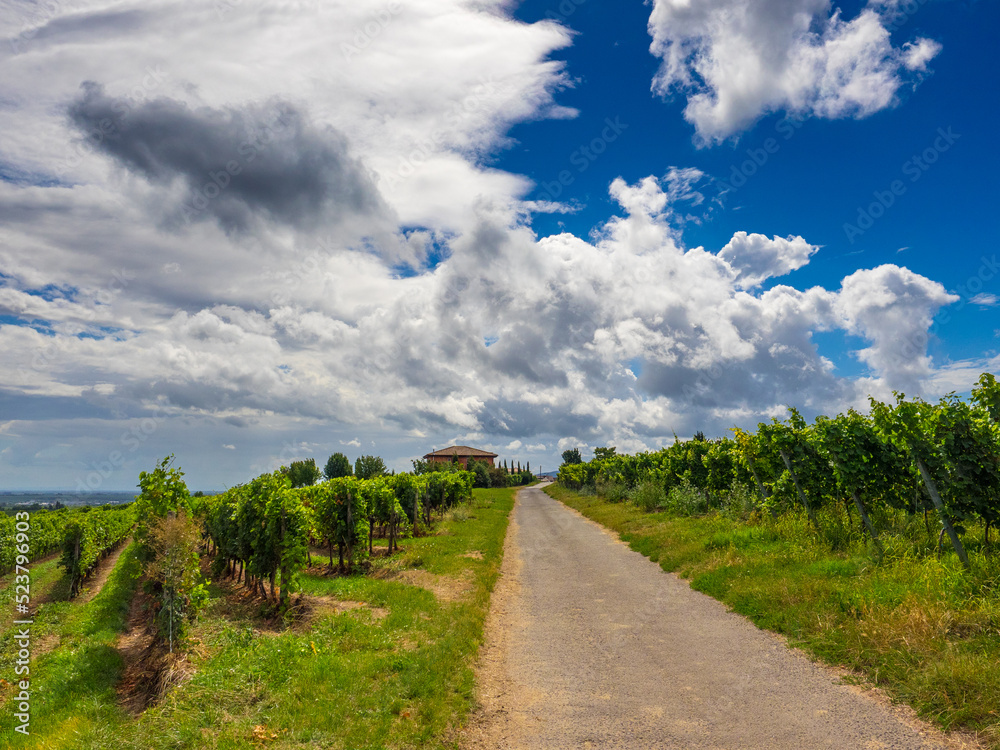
[{"x": 591, "y": 645}]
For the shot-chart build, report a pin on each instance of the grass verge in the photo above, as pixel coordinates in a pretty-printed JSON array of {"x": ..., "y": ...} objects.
[
  {"x": 921, "y": 628},
  {"x": 382, "y": 660}
]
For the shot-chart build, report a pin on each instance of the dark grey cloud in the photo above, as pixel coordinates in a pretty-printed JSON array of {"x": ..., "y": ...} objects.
[
  {"x": 84, "y": 27},
  {"x": 526, "y": 354},
  {"x": 16, "y": 405},
  {"x": 242, "y": 392},
  {"x": 236, "y": 164},
  {"x": 509, "y": 419}
]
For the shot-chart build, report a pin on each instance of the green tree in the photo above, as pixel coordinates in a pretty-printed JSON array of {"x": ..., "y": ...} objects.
[
  {"x": 602, "y": 454},
  {"x": 369, "y": 467},
  {"x": 499, "y": 477},
  {"x": 572, "y": 456},
  {"x": 481, "y": 470},
  {"x": 303, "y": 473},
  {"x": 338, "y": 465}
]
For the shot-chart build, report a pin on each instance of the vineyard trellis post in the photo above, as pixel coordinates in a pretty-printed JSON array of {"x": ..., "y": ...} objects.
[
  {"x": 932, "y": 490},
  {"x": 802, "y": 495}
]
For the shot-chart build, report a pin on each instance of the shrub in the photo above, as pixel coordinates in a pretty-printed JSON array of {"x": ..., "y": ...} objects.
[
  {"x": 499, "y": 478},
  {"x": 163, "y": 493},
  {"x": 686, "y": 500},
  {"x": 174, "y": 540},
  {"x": 649, "y": 496},
  {"x": 572, "y": 476},
  {"x": 739, "y": 502},
  {"x": 613, "y": 492},
  {"x": 459, "y": 513}
]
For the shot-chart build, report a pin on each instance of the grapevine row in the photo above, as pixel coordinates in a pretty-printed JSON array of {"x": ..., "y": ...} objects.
[
  {"x": 92, "y": 534},
  {"x": 940, "y": 459},
  {"x": 46, "y": 535},
  {"x": 261, "y": 531}
]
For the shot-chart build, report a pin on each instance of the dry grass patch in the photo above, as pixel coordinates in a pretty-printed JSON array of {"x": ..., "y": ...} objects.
[
  {"x": 444, "y": 588},
  {"x": 319, "y": 606}
]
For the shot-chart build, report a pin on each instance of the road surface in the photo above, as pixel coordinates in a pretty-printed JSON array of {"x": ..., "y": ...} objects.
[{"x": 591, "y": 645}]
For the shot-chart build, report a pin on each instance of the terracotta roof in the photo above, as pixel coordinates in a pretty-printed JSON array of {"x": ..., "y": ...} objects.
[{"x": 461, "y": 451}]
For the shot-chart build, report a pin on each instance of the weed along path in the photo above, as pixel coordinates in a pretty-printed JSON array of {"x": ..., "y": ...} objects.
[{"x": 591, "y": 645}]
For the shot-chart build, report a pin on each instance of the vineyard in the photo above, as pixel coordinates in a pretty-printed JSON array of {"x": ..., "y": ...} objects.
[
  {"x": 261, "y": 532},
  {"x": 907, "y": 461},
  {"x": 47, "y": 534},
  {"x": 89, "y": 536},
  {"x": 222, "y": 602}
]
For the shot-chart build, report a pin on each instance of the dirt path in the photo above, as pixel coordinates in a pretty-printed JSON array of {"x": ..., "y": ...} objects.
[
  {"x": 591, "y": 645},
  {"x": 93, "y": 585}
]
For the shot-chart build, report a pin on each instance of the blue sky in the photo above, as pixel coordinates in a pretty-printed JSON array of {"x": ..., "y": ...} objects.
[
  {"x": 823, "y": 172},
  {"x": 523, "y": 227},
  {"x": 819, "y": 176}
]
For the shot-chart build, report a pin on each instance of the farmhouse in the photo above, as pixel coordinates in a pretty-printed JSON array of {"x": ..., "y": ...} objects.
[{"x": 463, "y": 453}]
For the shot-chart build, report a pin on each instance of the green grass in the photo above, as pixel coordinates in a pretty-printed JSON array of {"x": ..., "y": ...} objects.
[
  {"x": 73, "y": 683},
  {"x": 921, "y": 628},
  {"x": 394, "y": 674},
  {"x": 48, "y": 583}
]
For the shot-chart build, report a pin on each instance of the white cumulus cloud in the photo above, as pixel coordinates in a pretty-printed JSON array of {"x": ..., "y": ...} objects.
[
  {"x": 755, "y": 258},
  {"x": 737, "y": 60}
]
